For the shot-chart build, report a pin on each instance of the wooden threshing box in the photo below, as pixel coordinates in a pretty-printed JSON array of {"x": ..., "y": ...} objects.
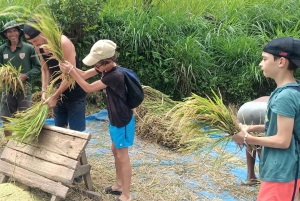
[{"x": 51, "y": 163}]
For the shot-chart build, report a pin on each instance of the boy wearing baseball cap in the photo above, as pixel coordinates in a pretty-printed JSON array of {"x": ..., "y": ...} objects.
[
  {"x": 279, "y": 161},
  {"x": 103, "y": 57}
]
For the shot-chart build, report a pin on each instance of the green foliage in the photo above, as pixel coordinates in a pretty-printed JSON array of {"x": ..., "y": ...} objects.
[
  {"x": 78, "y": 20},
  {"x": 183, "y": 47}
]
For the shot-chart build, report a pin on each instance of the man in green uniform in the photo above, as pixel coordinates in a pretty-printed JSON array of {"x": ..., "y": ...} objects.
[{"x": 22, "y": 54}]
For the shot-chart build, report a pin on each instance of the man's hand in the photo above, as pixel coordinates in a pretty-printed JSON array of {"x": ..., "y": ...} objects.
[
  {"x": 65, "y": 66},
  {"x": 51, "y": 101},
  {"x": 43, "y": 96},
  {"x": 23, "y": 77}
]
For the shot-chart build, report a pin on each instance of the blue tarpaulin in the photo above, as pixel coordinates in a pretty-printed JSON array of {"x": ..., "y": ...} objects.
[{"x": 97, "y": 128}]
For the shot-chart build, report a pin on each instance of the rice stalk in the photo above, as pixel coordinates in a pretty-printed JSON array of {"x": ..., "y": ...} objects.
[
  {"x": 10, "y": 79},
  {"x": 45, "y": 22},
  {"x": 27, "y": 124},
  {"x": 200, "y": 118}
]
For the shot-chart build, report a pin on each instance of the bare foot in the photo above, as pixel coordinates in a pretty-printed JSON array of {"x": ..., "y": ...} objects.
[{"x": 123, "y": 198}]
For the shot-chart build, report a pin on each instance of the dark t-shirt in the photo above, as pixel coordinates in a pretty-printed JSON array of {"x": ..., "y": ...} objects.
[
  {"x": 68, "y": 95},
  {"x": 119, "y": 113}
]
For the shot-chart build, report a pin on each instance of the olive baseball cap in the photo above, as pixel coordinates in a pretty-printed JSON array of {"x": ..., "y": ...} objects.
[{"x": 9, "y": 25}]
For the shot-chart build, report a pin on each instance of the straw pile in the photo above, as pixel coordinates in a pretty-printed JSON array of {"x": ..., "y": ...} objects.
[
  {"x": 152, "y": 123},
  {"x": 9, "y": 191},
  {"x": 186, "y": 125}
]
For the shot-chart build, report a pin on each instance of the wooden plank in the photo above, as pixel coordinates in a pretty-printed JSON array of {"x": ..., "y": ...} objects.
[
  {"x": 70, "y": 132},
  {"x": 82, "y": 169},
  {"x": 43, "y": 154},
  {"x": 65, "y": 145},
  {"x": 44, "y": 168},
  {"x": 34, "y": 180},
  {"x": 3, "y": 178},
  {"x": 87, "y": 177}
]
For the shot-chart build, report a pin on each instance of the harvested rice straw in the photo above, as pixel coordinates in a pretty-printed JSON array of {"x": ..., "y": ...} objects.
[
  {"x": 196, "y": 113},
  {"x": 152, "y": 123},
  {"x": 48, "y": 26},
  {"x": 28, "y": 124},
  {"x": 10, "y": 79}
]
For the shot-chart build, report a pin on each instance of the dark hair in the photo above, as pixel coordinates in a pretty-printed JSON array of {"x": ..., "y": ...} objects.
[
  {"x": 114, "y": 58},
  {"x": 291, "y": 65}
]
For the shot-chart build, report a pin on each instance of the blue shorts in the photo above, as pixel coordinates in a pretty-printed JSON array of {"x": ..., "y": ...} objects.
[
  {"x": 70, "y": 113},
  {"x": 124, "y": 136}
]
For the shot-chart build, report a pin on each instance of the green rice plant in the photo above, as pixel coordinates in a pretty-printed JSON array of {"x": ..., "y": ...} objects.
[
  {"x": 196, "y": 113},
  {"x": 10, "y": 79},
  {"x": 45, "y": 22},
  {"x": 26, "y": 125}
]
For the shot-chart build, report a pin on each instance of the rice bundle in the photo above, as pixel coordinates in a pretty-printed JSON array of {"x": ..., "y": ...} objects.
[
  {"x": 27, "y": 124},
  {"x": 200, "y": 118},
  {"x": 10, "y": 79},
  {"x": 47, "y": 25}
]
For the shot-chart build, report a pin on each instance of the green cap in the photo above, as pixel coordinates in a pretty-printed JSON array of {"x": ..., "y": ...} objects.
[{"x": 9, "y": 25}]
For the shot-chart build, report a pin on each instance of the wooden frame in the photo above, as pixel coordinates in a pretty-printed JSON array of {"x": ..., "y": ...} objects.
[{"x": 51, "y": 163}]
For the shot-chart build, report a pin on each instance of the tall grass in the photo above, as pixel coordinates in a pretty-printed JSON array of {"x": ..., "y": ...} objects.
[{"x": 195, "y": 45}]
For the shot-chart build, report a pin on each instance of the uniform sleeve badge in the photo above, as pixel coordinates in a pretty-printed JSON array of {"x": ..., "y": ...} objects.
[{"x": 5, "y": 56}]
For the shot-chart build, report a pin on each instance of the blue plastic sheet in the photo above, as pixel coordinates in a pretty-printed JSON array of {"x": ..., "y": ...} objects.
[{"x": 98, "y": 119}]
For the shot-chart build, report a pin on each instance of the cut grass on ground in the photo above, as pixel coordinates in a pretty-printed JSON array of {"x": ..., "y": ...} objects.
[{"x": 160, "y": 174}]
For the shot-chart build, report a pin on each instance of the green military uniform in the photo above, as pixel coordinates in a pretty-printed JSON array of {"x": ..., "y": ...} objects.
[{"x": 24, "y": 56}]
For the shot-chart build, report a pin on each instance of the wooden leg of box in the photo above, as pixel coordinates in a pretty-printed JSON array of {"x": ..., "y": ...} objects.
[
  {"x": 87, "y": 177},
  {"x": 3, "y": 178}
]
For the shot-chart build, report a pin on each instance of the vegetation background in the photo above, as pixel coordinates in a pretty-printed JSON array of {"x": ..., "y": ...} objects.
[{"x": 181, "y": 47}]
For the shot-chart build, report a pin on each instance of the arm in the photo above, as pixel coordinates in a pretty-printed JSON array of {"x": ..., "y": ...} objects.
[
  {"x": 281, "y": 140},
  {"x": 95, "y": 86},
  {"x": 85, "y": 74},
  {"x": 256, "y": 128}
]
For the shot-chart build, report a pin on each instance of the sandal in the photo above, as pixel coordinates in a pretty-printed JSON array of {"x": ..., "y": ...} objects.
[{"x": 109, "y": 190}]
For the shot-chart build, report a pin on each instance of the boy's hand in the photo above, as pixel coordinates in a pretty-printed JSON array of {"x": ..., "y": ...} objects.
[
  {"x": 65, "y": 66},
  {"x": 239, "y": 137}
]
